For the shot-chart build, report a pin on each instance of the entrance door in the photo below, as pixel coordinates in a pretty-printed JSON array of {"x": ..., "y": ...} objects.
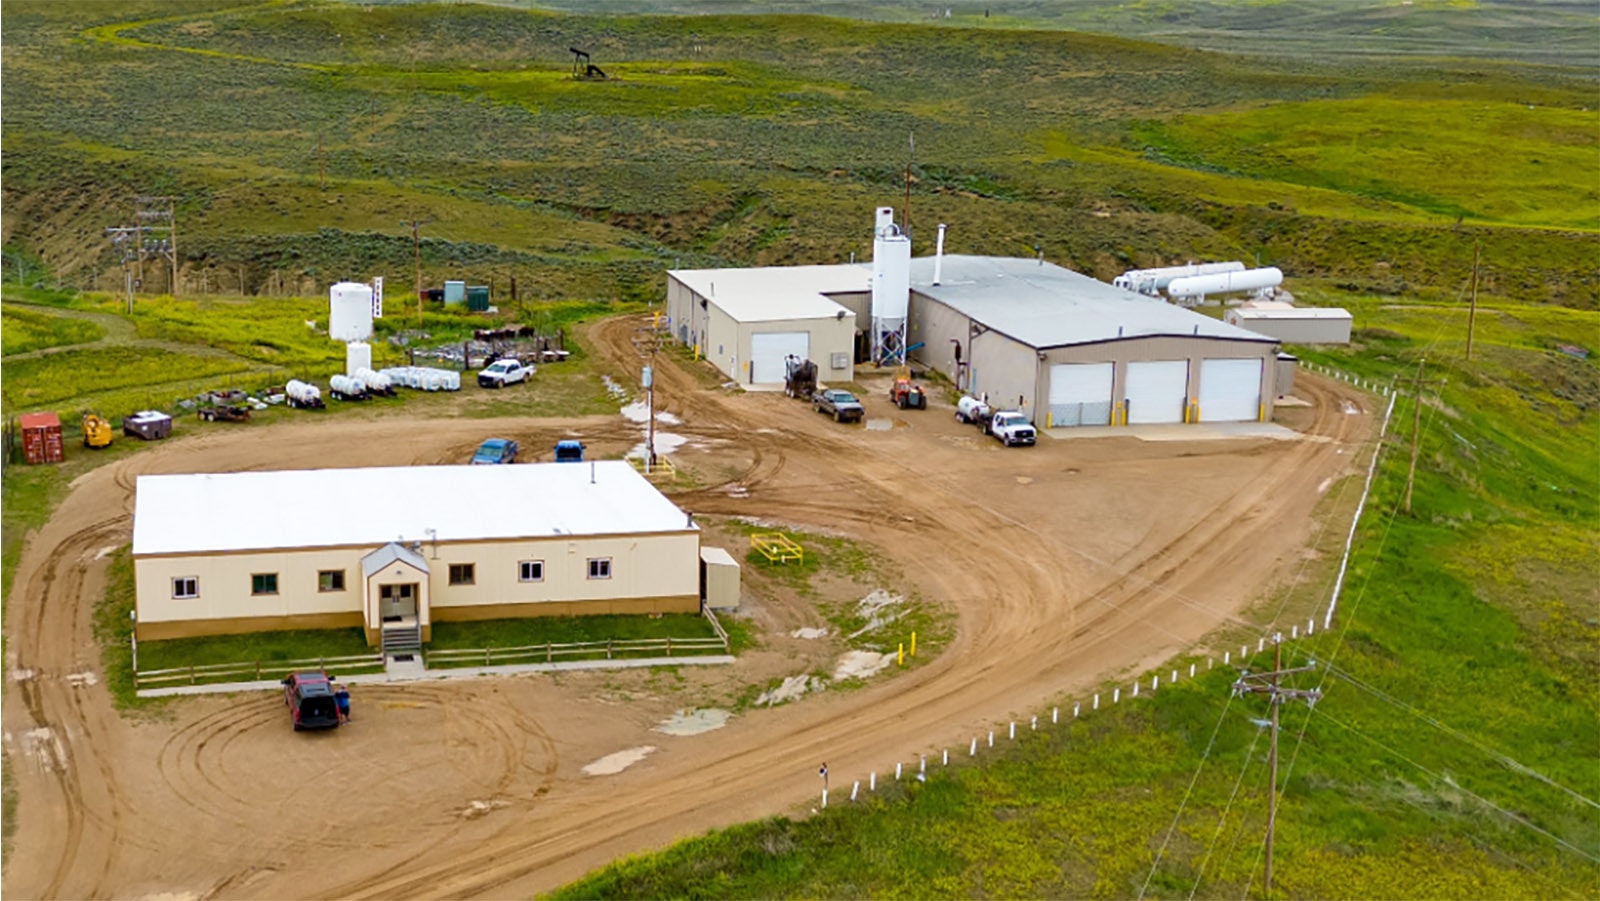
[
  {"x": 1157, "y": 391},
  {"x": 1080, "y": 394},
  {"x": 1230, "y": 390},
  {"x": 397, "y": 602},
  {"x": 768, "y": 351}
]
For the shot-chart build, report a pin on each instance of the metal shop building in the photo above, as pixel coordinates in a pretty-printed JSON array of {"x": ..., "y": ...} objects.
[
  {"x": 393, "y": 550},
  {"x": 746, "y": 321},
  {"x": 1069, "y": 350}
]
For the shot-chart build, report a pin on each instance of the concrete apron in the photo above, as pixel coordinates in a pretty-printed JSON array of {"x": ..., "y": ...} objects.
[
  {"x": 463, "y": 672},
  {"x": 1202, "y": 431}
]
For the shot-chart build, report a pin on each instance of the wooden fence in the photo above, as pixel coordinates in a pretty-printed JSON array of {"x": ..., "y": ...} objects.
[
  {"x": 550, "y": 652},
  {"x": 250, "y": 672}
]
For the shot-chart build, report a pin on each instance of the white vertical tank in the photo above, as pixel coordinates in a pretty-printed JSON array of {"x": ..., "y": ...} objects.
[
  {"x": 357, "y": 356},
  {"x": 350, "y": 311},
  {"x": 891, "y": 288}
]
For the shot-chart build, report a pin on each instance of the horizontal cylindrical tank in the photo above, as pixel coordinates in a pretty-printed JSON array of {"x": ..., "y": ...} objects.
[
  {"x": 350, "y": 311},
  {"x": 344, "y": 386},
  {"x": 1154, "y": 281},
  {"x": 376, "y": 382},
  {"x": 1225, "y": 282},
  {"x": 303, "y": 392}
]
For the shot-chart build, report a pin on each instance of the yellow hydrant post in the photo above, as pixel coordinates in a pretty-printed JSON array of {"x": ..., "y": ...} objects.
[
  {"x": 913, "y": 644},
  {"x": 902, "y": 658}
]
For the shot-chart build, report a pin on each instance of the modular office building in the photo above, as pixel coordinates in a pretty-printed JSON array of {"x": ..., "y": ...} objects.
[{"x": 396, "y": 549}]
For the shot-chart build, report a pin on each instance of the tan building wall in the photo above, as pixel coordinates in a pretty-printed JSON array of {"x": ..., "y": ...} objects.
[
  {"x": 1193, "y": 349},
  {"x": 726, "y": 342},
  {"x": 648, "y": 573},
  {"x": 828, "y": 338},
  {"x": 996, "y": 364}
]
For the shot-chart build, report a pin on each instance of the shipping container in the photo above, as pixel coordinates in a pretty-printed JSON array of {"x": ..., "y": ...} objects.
[{"x": 41, "y": 438}]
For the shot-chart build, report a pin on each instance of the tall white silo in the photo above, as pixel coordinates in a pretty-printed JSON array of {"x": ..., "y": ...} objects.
[
  {"x": 891, "y": 288},
  {"x": 350, "y": 311}
]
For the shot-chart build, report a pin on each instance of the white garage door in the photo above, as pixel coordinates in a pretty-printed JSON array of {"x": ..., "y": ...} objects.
[
  {"x": 1080, "y": 394},
  {"x": 1230, "y": 390},
  {"x": 768, "y": 350},
  {"x": 1157, "y": 391}
]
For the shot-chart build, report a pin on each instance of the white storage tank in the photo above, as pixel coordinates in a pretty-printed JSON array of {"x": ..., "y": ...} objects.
[
  {"x": 1225, "y": 282},
  {"x": 350, "y": 311},
  {"x": 357, "y": 356}
]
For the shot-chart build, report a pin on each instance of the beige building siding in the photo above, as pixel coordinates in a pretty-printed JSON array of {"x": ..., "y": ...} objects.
[
  {"x": 934, "y": 325},
  {"x": 1193, "y": 349},
  {"x": 726, "y": 342},
  {"x": 997, "y": 365},
  {"x": 648, "y": 573}
]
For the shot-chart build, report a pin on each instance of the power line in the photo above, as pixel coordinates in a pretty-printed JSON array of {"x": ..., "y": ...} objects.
[
  {"x": 1187, "y": 792},
  {"x": 1271, "y": 685},
  {"x": 1469, "y": 792},
  {"x": 1499, "y": 757},
  {"x": 1223, "y": 819}
]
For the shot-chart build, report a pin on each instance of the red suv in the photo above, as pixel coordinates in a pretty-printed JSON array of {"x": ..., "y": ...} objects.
[{"x": 311, "y": 701}]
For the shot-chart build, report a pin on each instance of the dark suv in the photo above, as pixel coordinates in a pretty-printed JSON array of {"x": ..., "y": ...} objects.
[{"x": 311, "y": 702}]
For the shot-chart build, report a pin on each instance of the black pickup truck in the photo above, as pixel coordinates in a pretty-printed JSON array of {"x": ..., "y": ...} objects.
[{"x": 841, "y": 405}]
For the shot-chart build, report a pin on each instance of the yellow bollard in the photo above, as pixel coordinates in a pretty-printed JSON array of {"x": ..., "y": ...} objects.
[
  {"x": 902, "y": 660},
  {"x": 913, "y": 644}
]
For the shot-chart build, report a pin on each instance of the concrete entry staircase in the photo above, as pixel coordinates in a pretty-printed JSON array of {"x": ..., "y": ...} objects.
[{"x": 401, "y": 640}]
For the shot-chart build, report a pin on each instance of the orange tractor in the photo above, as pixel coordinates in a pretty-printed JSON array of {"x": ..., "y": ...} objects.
[{"x": 906, "y": 394}]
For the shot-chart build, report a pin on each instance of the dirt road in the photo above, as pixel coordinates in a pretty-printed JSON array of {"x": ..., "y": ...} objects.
[{"x": 1065, "y": 564}]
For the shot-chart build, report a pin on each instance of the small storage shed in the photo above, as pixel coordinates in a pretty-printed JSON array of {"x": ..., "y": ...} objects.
[
  {"x": 719, "y": 579},
  {"x": 41, "y": 438},
  {"x": 1291, "y": 324}
]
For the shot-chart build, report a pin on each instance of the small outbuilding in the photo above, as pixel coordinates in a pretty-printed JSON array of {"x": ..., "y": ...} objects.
[
  {"x": 1291, "y": 324},
  {"x": 747, "y": 322},
  {"x": 393, "y": 550}
]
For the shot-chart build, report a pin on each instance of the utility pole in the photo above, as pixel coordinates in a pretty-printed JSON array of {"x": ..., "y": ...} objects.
[
  {"x": 1270, "y": 684},
  {"x": 909, "y": 157},
  {"x": 416, "y": 246},
  {"x": 1472, "y": 312},
  {"x": 647, "y": 341}
]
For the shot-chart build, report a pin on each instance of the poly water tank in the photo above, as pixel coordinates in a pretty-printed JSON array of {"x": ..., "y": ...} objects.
[
  {"x": 357, "y": 355},
  {"x": 455, "y": 292},
  {"x": 350, "y": 311}
]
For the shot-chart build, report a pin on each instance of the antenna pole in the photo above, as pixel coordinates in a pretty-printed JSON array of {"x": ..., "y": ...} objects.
[
  {"x": 1472, "y": 312},
  {"x": 909, "y": 157}
]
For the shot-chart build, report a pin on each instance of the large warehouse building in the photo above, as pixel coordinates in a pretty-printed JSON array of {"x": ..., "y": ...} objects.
[
  {"x": 1069, "y": 350},
  {"x": 393, "y": 550},
  {"x": 1066, "y": 349}
]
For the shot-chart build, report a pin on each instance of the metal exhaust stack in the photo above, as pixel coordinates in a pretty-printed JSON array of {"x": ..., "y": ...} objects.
[{"x": 938, "y": 256}]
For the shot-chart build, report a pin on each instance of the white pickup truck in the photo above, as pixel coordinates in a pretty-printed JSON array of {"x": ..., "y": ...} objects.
[
  {"x": 1010, "y": 426},
  {"x": 505, "y": 372}
]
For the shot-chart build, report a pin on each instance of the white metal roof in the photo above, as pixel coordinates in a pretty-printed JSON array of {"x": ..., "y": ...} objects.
[
  {"x": 788, "y": 292},
  {"x": 1291, "y": 313},
  {"x": 1044, "y": 305},
  {"x": 331, "y": 507}
]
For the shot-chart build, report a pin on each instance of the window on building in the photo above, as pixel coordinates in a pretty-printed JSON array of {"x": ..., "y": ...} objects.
[
  {"x": 530, "y": 571},
  {"x": 599, "y": 567},
  {"x": 264, "y": 583},
  {"x": 462, "y": 573},
  {"x": 330, "y": 580},
  {"x": 186, "y": 587}
]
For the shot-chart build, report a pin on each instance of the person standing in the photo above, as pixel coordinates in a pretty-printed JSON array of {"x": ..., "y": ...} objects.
[{"x": 341, "y": 697}]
